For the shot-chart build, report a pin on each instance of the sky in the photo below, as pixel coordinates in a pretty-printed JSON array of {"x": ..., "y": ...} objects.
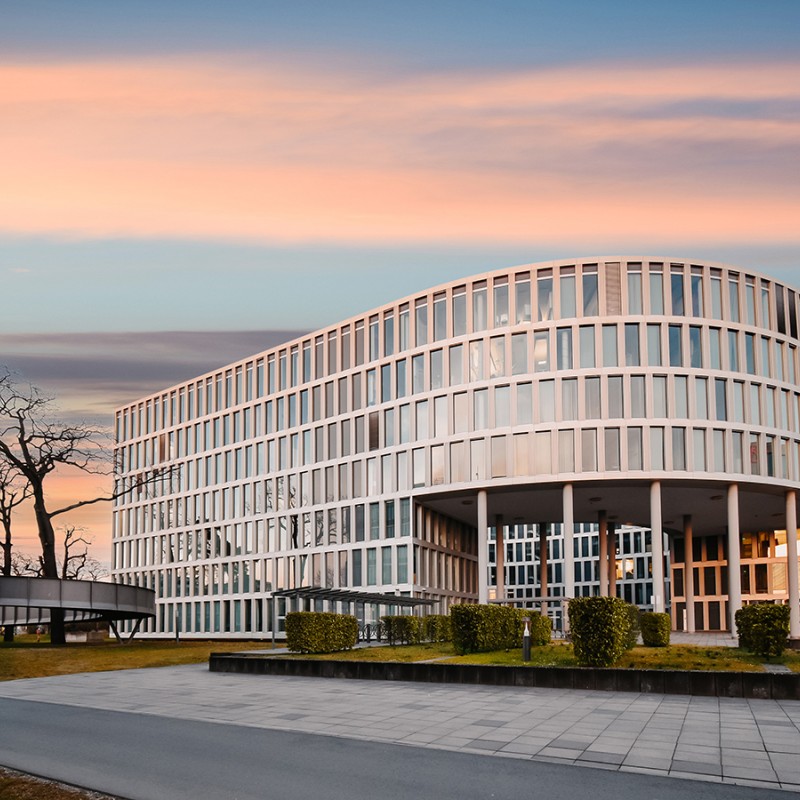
[{"x": 184, "y": 183}]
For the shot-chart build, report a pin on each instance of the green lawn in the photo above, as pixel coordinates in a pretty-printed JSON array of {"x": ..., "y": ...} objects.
[
  {"x": 559, "y": 654},
  {"x": 25, "y": 658}
]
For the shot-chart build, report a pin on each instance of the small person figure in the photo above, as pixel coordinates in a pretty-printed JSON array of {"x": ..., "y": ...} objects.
[{"x": 39, "y": 632}]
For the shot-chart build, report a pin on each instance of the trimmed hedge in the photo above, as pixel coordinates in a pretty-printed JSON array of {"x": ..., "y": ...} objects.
[
  {"x": 436, "y": 628},
  {"x": 320, "y": 631},
  {"x": 402, "y": 629},
  {"x": 655, "y": 629},
  {"x": 483, "y": 628},
  {"x": 600, "y": 628},
  {"x": 763, "y": 628},
  {"x": 635, "y": 626}
]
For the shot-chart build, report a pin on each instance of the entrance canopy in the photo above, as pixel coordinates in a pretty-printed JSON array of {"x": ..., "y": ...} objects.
[{"x": 345, "y": 596}]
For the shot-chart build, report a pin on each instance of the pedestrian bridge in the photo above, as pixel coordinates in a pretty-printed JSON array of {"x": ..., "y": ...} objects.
[{"x": 30, "y": 600}]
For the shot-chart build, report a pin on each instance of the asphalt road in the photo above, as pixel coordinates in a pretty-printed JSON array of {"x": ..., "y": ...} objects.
[{"x": 142, "y": 757}]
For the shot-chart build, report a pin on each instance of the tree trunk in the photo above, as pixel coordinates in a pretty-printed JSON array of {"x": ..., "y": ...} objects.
[
  {"x": 8, "y": 630},
  {"x": 47, "y": 538}
]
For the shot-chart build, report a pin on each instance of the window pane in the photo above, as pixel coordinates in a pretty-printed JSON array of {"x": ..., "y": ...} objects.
[
  {"x": 500, "y": 304},
  {"x": 567, "y": 286},
  {"x": 654, "y": 345},
  {"x": 632, "y": 345},
  {"x": 610, "y": 356},
  {"x": 541, "y": 351},
  {"x": 634, "y": 292},
  {"x": 523, "y": 301},
  {"x": 459, "y": 312},
  {"x": 590, "y": 300},
  {"x": 587, "y": 354},
  {"x": 544, "y": 292},
  {"x": 479, "y": 307},
  {"x": 675, "y": 346},
  {"x": 519, "y": 354}
]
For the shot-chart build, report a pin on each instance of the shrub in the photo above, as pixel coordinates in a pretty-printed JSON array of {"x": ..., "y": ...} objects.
[
  {"x": 763, "y": 628},
  {"x": 320, "y": 632},
  {"x": 402, "y": 629},
  {"x": 436, "y": 628},
  {"x": 483, "y": 628},
  {"x": 655, "y": 629},
  {"x": 600, "y": 628},
  {"x": 635, "y": 627}
]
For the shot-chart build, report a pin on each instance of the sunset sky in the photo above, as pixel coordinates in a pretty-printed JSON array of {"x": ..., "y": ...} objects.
[{"x": 185, "y": 183}]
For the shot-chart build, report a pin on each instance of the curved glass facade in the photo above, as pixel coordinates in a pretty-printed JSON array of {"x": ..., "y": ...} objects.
[{"x": 312, "y": 464}]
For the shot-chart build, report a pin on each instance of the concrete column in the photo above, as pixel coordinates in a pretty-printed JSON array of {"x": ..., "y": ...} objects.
[
  {"x": 657, "y": 546},
  {"x": 602, "y": 549},
  {"x": 483, "y": 548},
  {"x": 611, "y": 548},
  {"x": 734, "y": 557},
  {"x": 543, "y": 587},
  {"x": 791, "y": 566},
  {"x": 500, "y": 556},
  {"x": 688, "y": 571},
  {"x": 569, "y": 544}
]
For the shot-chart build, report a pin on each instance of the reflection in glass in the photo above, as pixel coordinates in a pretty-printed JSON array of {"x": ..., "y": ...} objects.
[
  {"x": 634, "y": 292},
  {"x": 616, "y": 408},
  {"x": 479, "y": 312},
  {"x": 439, "y": 317},
  {"x": 681, "y": 397},
  {"x": 656, "y": 291},
  {"x": 610, "y": 354},
  {"x": 523, "y": 301},
  {"x": 519, "y": 354},
  {"x": 480, "y": 402},
  {"x": 587, "y": 350},
  {"x": 542, "y": 454},
  {"x": 544, "y": 292},
  {"x": 567, "y": 286},
  {"x": 547, "y": 401},
  {"x": 675, "y": 346},
  {"x": 719, "y": 451},
  {"x": 437, "y": 369},
  {"x": 676, "y": 280},
  {"x": 701, "y": 398},
  {"x": 459, "y": 311},
  {"x": 590, "y": 301},
  {"x": 500, "y": 304},
  {"x": 638, "y": 397},
  {"x": 566, "y": 451},
  {"x": 524, "y": 403},
  {"x": 632, "y": 345},
  {"x": 499, "y": 461},
  {"x": 589, "y": 450},
  {"x": 456, "y": 364},
  {"x": 656, "y": 448},
  {"x": 564, "y": 348},
  {"x": 502, "y": 406},
  {"x": 654, "y": 345},
  {"x": 697, "y": 295},
  {"x": 460, "y": 413},
  {"x": 592, "y": 389},
  {"x": 612, "y": 449},
  {"x": 497, "y": 356},
  {"x": 569, "y": 399},
  {"x": 695, "y": 348},
  {"x": 541, "y": 351},
  {"x": 679, "y": 448}
]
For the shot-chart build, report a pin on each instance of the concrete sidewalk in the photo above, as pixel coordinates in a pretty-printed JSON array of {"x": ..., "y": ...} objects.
[{"x": 749, "y": 742}]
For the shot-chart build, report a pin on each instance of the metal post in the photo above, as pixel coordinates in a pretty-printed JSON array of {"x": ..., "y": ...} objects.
[
  {"x": 602, "y": 546},
  {"x": 526, "y": 640}
]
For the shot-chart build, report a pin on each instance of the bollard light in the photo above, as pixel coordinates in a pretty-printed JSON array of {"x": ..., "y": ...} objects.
[{"x": 526, "y": 640}]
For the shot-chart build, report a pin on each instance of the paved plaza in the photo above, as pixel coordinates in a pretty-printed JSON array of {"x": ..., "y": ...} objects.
[{"x": 728, "y": 740}]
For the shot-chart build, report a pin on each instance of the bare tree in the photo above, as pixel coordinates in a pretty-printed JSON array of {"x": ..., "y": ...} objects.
[
  {"x": 13, "y": 492},
  {"x": 76, "y": 562},
  {"x": 34, "y": 444}
]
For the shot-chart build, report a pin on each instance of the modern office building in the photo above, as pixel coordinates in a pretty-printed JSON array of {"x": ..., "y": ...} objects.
[{"x": 548, "y": 404}]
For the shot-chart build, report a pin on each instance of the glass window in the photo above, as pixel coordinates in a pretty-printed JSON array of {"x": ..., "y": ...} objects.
[
  {"x": 519, "y": 354},
  {"x": 499, "y": 459},
  {"x": 635, "y": 449},
  {"x": 755, "y": 404},
  {"x": 479, "y": 315},
  {"x": 632, "y": 358},
  {"x": 567, "y": 287},
  {"x": 403, "y": 328},
  {"x": 523, "y": 300},
  {"x": 701, "y": 398},
  {"x": 422, "y": 420},
  {"x": 657, "y": 448},
  {"x": 660, "y": 397},
  {"x": 459, "y": 311},
  {"x": 437, "y": 464},
  {"x": 541, "y": 351},
  {"x": 480, "y": 400},
  {"x": 638, "y": 405},
  {"x": 547, "y": 401},
  {"x": 718, "y": 438},
  {"x": 589, "y": 450},
  {"x": 733, "y": 295},
  {"x": 421, "y": 320},
  {"x": 359, "y": 343},
  {"x": 616, "y": 408},
  {"x": 374, "y": 339},
  {"x": 456, "y": 364},
  {"x": 697, "y": 292},
  {"x": 699, "y": 448},
  {"x": 405, "y": 423},
  {"x": 569, "y": 398},
  {"x": 460, "y": 413},
  {"x": 502, "y": 406},
  {"x": 634, "y": 290},
  {"x": 591, "y": 307},
  {"x": 716, "y": 294},
  {"x": 765, "y": 318},
  {"x": 750, "y": 301},
  {"x": 500, "y": 299},
  {"x": 733, "y": 351},
  {"x": 439, "y": 317},
  {"x": 675, "y": 346},
  {"x": 497, "y": 357},
  {"x": 755, "y": 460},
  {"x": 566, "y": 451},
  {"x": 765, "y": 370},
  {"x": 542, "y": 456},
  {"x": 476, "y": 372},
  {"x": 564, "y": 348},
  {"x": 676, "y": 281},
  {"x": 524, "y": 403},
  {"x": 610, "y": 354},
  {"x": 720, "y": 399},
  {"x": 656, "y": 289},
  {"x": 593, "y": 408},
  {"x": 695, "y": 347},
  {"x": 612, "y": 449},
  {"x": 418, "y": 374},
  {"x": 544, "y": 293},
  {"x": 679, "y": 448},
  {"x": 437, "y": 369},
  {"x": 401, "y": 378},
  {"x": 681, "y": 396},
  {"x": 418, "y": 466},
  {"x": 654, "y": 345},
  {"x": 388, "y": 335},
  {"x": 715, "y": 347},
  {"x": 587, "y": 351}
]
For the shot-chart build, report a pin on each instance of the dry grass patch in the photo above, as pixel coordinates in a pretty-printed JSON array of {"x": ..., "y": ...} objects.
[
  {"x": 18, "y": 786},
  {"x": 26, "y": 659}
]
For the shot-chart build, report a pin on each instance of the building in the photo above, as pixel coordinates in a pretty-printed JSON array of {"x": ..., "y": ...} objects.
[{"x": 381, "y": 453}]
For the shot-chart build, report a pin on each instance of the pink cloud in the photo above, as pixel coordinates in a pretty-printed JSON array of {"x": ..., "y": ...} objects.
[{"x": 264, "y": 152}]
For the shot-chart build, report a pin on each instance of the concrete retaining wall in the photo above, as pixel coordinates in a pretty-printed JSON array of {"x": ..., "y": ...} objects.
[{"x": 763, "y": 685}]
